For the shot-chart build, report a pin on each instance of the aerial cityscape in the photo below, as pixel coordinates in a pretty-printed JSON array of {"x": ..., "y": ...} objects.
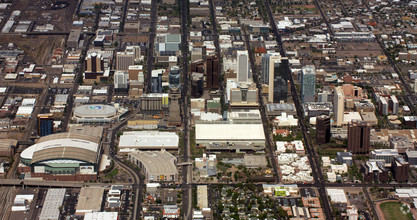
[{"x": 208, "y": 109}]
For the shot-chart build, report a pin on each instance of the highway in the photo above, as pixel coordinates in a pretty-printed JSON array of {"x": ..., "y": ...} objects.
[
  {"x": 185, "y": 120},
  {"x": 314, "y": 163},
  {"x": 151, "y": 43}
]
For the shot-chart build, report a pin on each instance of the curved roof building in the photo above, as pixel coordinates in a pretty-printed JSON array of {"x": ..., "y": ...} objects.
[
  {"x": 96, "y": 113},
  {"x": 63, "y": 154}
]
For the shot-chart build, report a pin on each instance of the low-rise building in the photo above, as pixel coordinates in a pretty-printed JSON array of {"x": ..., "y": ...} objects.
[{"x": 148, "y": 140}]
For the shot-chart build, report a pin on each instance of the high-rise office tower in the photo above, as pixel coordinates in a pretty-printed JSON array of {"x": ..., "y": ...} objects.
[
  {"x": 156, "y": 81},
  {"x": 308, "y": 83},
  {"x": 124, "y": 60},
  {"x": 322, "y": 129},
  {"x": 267, "y": 66},
  {"x": 94, "y": 66},
  {"x": 121, "y": 81},
  {"x": 278, "y": 84},
  {"x": 242, "y": 66},
  {"x": 338, "y": 105},
  {"x": 174, "y": 77},
  {"x": 212, "y": 72},
  {"x": 45, "y": 124},
  {"x": 359, "y": 134}
]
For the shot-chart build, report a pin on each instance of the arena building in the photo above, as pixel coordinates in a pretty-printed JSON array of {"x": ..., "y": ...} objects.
[
  {"x": 97, "y": 113},
  {"x": 63, "y": 156}
]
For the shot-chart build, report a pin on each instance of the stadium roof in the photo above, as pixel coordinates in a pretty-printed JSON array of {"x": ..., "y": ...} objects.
[{"x": 63, "y": 146}]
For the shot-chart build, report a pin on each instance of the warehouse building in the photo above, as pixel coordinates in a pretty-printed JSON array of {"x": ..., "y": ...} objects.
[
  {"x": 147, "y": 140},
  {"x": 8, "y": 147},
  {"x": 89, "y": 200},
  {"x": 97, "y": 113},
  {"x": 63, "y": 156},
  {"x": 156, "y": 165}
]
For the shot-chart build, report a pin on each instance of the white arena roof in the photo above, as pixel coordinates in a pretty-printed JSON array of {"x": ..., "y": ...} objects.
[
  {"x": 77, "y": 143},
  {"x": 84, "y": 111},
  {"x": 229, "y": 132}
]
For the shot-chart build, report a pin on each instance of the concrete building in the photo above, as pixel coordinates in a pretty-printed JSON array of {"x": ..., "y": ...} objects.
[
  {"x": 245, "y": 96},
  {"x": 411, "y": 157},
  {"x": 89, "y": 200},
  {"x": 174, "y": 77},
  {"x": 63, "y": 156},
  {"x": 121, "y": 79},
  {"x": 386, "y": 155},
  {"x": 358, "y": 137},
  {"x": 158, "y": 166},
  {"x": 339, "y": 105},
  {"x": 156, "y": 81},
  {"x": 147, "y": 140},
  {"x": 400, "y": 169},
  {"x": 401, "y": 142},
  {"x": 243, "y": 66},
  {"x": 323, "y": 129},
  {"x": 308, "y": 83},
  {"x": 154, "y": 104},
  {"x": 212, "y": 72},
  {"x": 8, "y": 147},
  {"x": 124, "y": 60},
  {"x": 136, "y": 52},
  {"x": 134, "y": 72},
  {"x": 74, "y": 38},
  {"x": 344, "y": 158}
]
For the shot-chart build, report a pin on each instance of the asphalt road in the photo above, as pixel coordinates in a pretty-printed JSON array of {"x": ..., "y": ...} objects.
[
  {"x": 185, "y": 121},
  {"x": 150, "y": 56},
  {"x": 314, "y": 163}
]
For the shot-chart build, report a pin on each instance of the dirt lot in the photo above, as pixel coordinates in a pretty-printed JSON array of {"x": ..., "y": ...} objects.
[{"x": 38, "y": 49}]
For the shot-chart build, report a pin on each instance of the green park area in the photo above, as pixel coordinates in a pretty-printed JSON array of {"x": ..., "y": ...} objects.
[{"x": 396, "y": 210}]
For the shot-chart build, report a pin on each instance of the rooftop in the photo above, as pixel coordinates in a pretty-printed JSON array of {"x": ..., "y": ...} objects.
[{"x": 156, "y": 161}]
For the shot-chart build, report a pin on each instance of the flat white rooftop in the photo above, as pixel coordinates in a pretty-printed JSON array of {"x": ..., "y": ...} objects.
[
  {"x": 229, "y": 132},
  {"x": 149, "y": 140}
]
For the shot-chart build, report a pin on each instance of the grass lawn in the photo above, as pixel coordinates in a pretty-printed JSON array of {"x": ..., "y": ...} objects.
[{"x": 392, "y": 210}]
